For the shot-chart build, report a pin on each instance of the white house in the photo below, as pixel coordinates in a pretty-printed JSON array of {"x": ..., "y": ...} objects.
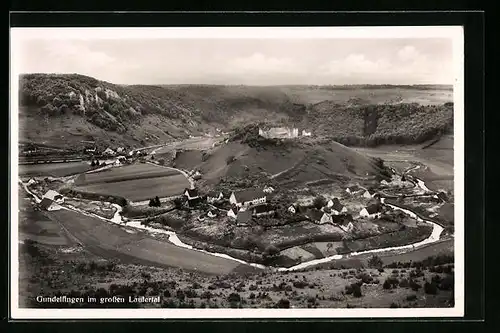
[
  {"x": 214, "y": 196},
  {"x": 31, "y": 181},
  {"x": 248, "y": 197},
  {"x": 292, "y": 209},
  {"x": 191, "y": 194},
  {"x": 232, "y": 213},
  {"x": 347, "y": 227},
  {"x": 109, "y": 152},
  {"x": 371, "y": 211},
  {"x": 369, "y": 194},
  {"x": 49, "y": 205},
  {"x": 268, "y": 189},
  {"x": 326, "y": 218},
  {"x": 54, "y": 196},
  {"x": 120, "y": 150},
  {"x": 336, "y": 208},
  {"x": 306, "y": 133},
  {"x": 318, "y": 216}
]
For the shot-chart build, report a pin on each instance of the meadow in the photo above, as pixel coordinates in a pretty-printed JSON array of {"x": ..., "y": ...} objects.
[{"x": 53, "y": 169}]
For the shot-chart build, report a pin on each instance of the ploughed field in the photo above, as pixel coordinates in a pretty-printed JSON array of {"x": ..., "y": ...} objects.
[{"x": 134, "y": 182}]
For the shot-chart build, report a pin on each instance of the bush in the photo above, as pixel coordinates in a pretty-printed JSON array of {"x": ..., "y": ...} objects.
[
  {"x": 411, "y": 298},
  {"x": 319, "y": 202},
  {"x": 300, "y": 284},
  {"x": 430, "y": 288},
  {"x": 414, "y": 285},
  {"x": 283, "y": 304},
  {"x": 234, "y": 297},
  {"x": 394, "y": 305},
  {"x": 375, "y": 262},
  {"x": 447, "y": 283}
]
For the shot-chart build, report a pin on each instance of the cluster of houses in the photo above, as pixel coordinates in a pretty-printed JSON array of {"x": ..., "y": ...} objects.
[
  {"x": 253, "y": 202},
  {"x": 283, "y": 132}
]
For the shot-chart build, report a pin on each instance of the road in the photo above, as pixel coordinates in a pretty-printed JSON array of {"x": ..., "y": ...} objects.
[{"x": 113, "y": 241}]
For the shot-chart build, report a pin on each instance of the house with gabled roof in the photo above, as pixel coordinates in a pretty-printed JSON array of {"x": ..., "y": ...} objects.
[
  {"x": 248, "y": 197},
  {"x": 373, "y": 210},
  {"x": 191, "y": 193},
  {"x": 109, "y": 152},
  {"x": 49, "y": 205},
  {"x": 214, "y": 196},
  {"x": 31, "y": 181},
  {"x": 442, "y": 196},
  {"x": 232, "y": 213},
  {"x": 317, "y": 216},
  {"x": 54, "y": 196},
  {"x": 336, "y": 207},
  {"x": 292, "y": 208},
  {"x": 262, "y": 210}
]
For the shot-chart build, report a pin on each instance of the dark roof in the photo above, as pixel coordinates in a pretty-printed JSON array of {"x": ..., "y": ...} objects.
[
  {"x": 192, "y": 192},
  {"x": 373, "y": 208},
  {"x": 45, "y": 203},
  {"x": 249, "y": 195},
  {"x": 194, "y": 201},
  {"x": 442, "y": 195},
  {"x": 314, "y": 214},
  {"x": 337, "y": 205},
  {"x": 262, "y": 209},
  {"x": 244, "y": 216},
  {"x": 354, "y": 188}
]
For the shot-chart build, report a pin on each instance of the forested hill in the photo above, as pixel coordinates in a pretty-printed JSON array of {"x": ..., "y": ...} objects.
[{"x": 62, "y": 109}]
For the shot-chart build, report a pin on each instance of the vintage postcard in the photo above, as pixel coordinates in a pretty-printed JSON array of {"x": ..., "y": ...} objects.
[{"x": 237, "y": 172}]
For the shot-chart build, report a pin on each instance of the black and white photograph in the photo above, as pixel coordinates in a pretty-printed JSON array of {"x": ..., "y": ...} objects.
[{"x": 237, "y": 172}]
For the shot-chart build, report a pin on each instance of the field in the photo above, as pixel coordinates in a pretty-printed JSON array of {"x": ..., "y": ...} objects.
[
  {"x": 134, "y": 182},
  {"x": 53, "y": 169}
]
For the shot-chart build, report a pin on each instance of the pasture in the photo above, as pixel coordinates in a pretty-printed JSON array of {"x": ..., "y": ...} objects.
[
  {"x": 53, "y": 169},
  {"x": 134, "y": 182}
]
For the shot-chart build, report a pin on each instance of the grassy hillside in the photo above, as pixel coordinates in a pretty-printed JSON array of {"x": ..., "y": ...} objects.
[{"x": 64, "y": 109}]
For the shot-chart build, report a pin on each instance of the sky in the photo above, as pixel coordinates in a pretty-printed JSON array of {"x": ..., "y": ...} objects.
[{"x": 249, "y": 61}]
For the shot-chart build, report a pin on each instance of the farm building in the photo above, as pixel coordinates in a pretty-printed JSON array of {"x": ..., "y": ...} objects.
[
  {"x": 109, "y": 152},
  {"x": 49, "y": 205},
  {"x": 353, "y": 189},
  {"x": 292, "y": 209},
  {"x": 318, "y": 216},
  {"x": 268, "y": 189},
  {"x": 346, "y": 225},
  {"x": 31, "y": 181},
  {"x": 373, "y": 210},
  {"x": 214, "y": 196},
  {"x": 369, "y": 194},
  {"x": 262, "y": 210},
  {"x": 54, "y": 196},
  {"x": 243, "y": 217},
  {"x": 191, "y": 193},
  {"x": 232, "y": 213},
  {"x": 120, "y": 150},
  {"x": 336, "y": 207},
  {"x": 248, "y": 197},
  {"x": 194, "y": 202}
]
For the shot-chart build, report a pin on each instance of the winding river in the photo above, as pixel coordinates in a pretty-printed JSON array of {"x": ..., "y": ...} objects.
[{"x": 172, "y": 236}]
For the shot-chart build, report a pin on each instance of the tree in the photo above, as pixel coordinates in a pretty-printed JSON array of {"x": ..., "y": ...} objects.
[
  {"x": 157, "y": 201},
  {"x": 375, "y": 262},
  {"x": 92, "y": 163},
  {"x": 319, "y": 202}
]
